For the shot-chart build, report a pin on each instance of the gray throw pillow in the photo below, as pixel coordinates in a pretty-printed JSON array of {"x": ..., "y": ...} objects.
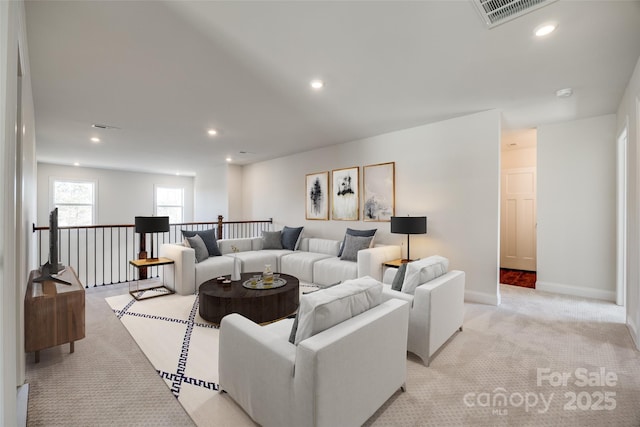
[
  {"x": 291, "y": 237},
  {"x": 398, "y": 279},
  {"x": 353, "y": 244},
  {"x": 271, "y": 240},
  {"x": 197, "y": 244},
  {"x": 208, "y": 237},
  {"x": 352, "y": 232}
]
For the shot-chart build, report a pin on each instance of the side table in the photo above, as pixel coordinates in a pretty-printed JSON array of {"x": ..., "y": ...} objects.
[
  {"x": 137, "y": 264},
  {"x": 396, "y": 263}
]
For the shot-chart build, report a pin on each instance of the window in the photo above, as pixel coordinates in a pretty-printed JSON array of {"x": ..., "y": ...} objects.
[
  {"x": 169, "y": 202},
  {"x": 75, "y": 201}
]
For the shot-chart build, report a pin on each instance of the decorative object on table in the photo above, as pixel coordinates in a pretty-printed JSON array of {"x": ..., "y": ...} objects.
[
  {"x": 408, "y": 225},
  {"x": 151, "y": 224},
  {"x": 317, "y": 196},
  {"x": 252, "y": 283},
  {"x": 235, "y": 274},
  {"x": 379, "y": 191},
  {"x": 345, "y": 197},
  {"x": 267, "y": 276}
]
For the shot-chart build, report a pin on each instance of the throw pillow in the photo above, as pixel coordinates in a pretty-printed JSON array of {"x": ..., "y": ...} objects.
[
  {"x": 398, "y": 279},
  {"x": 361, "y": 233},
  {"x": 422, "y": 271},
  {"x": 197, "y": 244},
  {"x": 271, "y": 240},
  {"x": 291, "y": 237},
  {"x": 209, "y": 239},
  {"x": 321, "y": 310},
  {"x": 352, "y": 244}
]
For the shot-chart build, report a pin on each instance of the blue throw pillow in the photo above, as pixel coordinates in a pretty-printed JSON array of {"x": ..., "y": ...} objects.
[
  {"x": 291, "y": 237},
  {"x": 209, "y": 239},
  {"x": 358, "y": 233}
]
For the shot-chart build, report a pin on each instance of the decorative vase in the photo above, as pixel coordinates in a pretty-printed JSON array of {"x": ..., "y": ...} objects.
[
  {"x": 235, "y": 275},
  {"x": 267, "y": 276}
]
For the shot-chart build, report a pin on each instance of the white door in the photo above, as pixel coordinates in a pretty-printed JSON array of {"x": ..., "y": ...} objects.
[{"x": 518, "y": 219}]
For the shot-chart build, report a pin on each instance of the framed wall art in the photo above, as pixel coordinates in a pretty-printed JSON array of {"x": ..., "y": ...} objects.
[
  {"x": 317, "y": 196},
  {"x": 345, "y": 197},
  {"x": 379, "y": 191}
]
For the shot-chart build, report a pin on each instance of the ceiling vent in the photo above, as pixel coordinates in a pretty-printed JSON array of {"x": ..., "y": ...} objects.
[{"x": 496, "y": 12}]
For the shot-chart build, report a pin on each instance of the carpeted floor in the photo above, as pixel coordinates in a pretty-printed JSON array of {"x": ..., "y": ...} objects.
[
  {"x": 525, "y": 279},
  {"x": 504, "y": 369}
]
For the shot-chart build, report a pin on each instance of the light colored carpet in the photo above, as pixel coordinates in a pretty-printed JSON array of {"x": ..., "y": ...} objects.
[{"x": 498, "y": 354}]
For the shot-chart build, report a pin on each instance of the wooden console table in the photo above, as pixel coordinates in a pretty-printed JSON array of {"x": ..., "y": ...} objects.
[{"x": 53, "y": 312}]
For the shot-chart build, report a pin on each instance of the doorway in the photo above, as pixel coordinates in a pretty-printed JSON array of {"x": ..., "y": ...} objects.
[{"x": 518, "y": 208}]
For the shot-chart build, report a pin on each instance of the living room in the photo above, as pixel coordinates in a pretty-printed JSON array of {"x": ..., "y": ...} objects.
[{"x": 452, "y": 164}]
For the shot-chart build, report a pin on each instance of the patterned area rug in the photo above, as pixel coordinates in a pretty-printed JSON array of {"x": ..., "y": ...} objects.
[
  {"x": 183, "y": 348},
  {"x": 525, "y": 279}
]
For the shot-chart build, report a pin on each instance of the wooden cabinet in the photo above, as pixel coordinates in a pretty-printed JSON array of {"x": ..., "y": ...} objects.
[{"x": 53, "y": 312}]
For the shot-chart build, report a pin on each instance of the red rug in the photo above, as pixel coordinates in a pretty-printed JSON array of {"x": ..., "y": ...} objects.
[{"x": 526, "y": 279}]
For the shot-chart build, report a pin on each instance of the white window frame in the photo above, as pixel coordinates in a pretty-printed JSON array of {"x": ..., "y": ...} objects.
[
  {"x": 94, "y": 204},
  {"x": 155, "y": 199}
]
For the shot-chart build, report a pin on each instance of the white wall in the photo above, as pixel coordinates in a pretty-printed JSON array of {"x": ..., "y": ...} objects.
[
  {"x": 17, "y": 202},
  {"x": 629, "y": 112},
  {"x": 120, "y": 195},
  {"x": 211, "y": 194},
  {"x": 448, "y": 171},
  {"x": 576, "y": 207}
]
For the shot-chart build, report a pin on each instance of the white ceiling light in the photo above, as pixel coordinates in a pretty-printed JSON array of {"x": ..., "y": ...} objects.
[
  {"x": 228, "y": 159},
  {"x": 545, "y": 29},
  {"x": 76, "y": 164},
  {"x": 212, "y": 132},
  {"x": 317, "y": 84},
  {"x": 564, "y": 93},
  {"x": 94, "y": 139}
]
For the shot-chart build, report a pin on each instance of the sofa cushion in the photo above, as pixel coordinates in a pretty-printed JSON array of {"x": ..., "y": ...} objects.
[
  {"x": 332, "y": 270},
  {"x": 254, "y": 261},
  {"x": 321, "y": 310},
  {"x": 422, "y": 271},
  {"x": 300, "y": 264},
  {"x": 272, "y": 240},
  {"x": 360, "y": 233},
  {"x": 291, "y": 237},
  {"x": 197, "y": 244},
  {"x": 398, "y": 279},
  {"x": 228, "y": 246},
  {"x": 208, "y": 237},
  {"x": 353, "y": 244}
]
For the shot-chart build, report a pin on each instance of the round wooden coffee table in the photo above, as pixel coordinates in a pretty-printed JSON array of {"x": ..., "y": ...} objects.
[{"x": 260, "y": 305}]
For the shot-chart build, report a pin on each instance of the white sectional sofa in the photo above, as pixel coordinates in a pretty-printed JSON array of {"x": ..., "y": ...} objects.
[{"x": 315, "y": 261}]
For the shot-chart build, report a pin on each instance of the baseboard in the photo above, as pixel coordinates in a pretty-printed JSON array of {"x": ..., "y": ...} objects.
[
  {"x": 22, "y": 403},
  {"x": 578, "y": 291},
  {"x": 633, "y": 330},
  {"x": 481, "y": 297}
]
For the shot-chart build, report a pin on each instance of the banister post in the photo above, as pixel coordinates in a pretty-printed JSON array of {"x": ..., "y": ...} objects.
[{"x": 219, "y": 232}]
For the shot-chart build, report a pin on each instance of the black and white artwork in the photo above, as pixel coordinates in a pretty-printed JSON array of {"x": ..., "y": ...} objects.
[
  {"x": 379, "y": 191},
  {"x": 317, "y": 196},
  {"x": 344, "y": 194}
]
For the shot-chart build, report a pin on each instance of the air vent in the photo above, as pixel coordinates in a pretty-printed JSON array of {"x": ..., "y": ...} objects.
[
  {"x": 496, "y": 12},
  {"x": 101, "y": 126}
]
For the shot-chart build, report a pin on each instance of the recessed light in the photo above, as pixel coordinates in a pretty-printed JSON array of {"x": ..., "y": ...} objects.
[
  {"x": 564, "y": 93},
  {"x": 545, "y": 29},
  {"x": 212, "y": 132},
  {"x": 317, "y": 84},
  {"x": 94, "y": 139},
  {"x": 76, "y": 164},
  {"x": 228, "y": 159}
]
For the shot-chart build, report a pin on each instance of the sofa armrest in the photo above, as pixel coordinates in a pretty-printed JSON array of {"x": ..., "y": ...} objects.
[
  {"x": 370, "y": 260},
  {"x": 184, "y": 264},
  {"x": 438, "y": 306},
  {"x": 255, "y": 362}
]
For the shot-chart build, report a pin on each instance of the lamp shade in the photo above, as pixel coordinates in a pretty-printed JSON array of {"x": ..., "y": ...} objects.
[
  {"x": 152, "y": 224},
  {"x": 409, "y": 224}
]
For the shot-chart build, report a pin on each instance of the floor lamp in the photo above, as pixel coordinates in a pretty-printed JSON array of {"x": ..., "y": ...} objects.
[
  {"x": 408, "y": 225},
  {"x": 151, "y": 224}
]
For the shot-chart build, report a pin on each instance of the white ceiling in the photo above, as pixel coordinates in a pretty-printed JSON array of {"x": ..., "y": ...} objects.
[{"x": 165, "y": 72}]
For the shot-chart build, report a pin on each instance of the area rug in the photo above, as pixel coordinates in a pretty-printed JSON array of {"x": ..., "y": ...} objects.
[
  {"x": 183, "y": 348},
  {"x": 525, "y": 279}
]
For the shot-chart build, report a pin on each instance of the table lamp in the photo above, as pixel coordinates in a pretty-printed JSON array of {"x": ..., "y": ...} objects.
[
  {"x": 408, "y": 225},
  {"x": 152, "y": 224}
]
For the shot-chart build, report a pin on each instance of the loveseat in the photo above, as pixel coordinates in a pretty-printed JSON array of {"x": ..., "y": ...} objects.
[
  {"x": 437, "y": 303},
  {"x": 315, "y": 261},
  {"x": 348, "y": 357}
]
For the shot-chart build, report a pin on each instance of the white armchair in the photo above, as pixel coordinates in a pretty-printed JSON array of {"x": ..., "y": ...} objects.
[
  {"x": 337, "y": 377},
  {"x": 437, "y": 311}
]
